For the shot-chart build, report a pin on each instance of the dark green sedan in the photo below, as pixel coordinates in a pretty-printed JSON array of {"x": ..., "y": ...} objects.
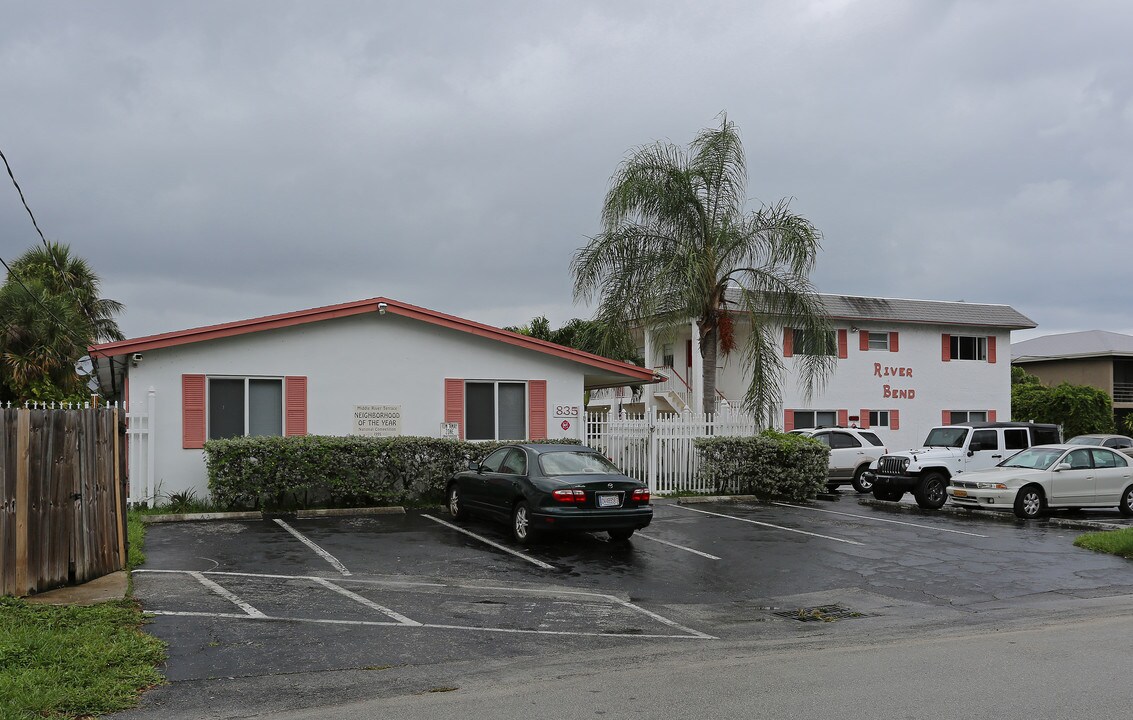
[{"x": 540, "y": 488}]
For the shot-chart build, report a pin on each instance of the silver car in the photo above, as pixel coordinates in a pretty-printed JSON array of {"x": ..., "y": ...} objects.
[{"x": 851, "y": 452}]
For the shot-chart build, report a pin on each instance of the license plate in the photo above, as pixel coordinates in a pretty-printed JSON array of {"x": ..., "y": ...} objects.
[
  {"x": 609, "y": 500},
  {"x": 960, "y": 493}
]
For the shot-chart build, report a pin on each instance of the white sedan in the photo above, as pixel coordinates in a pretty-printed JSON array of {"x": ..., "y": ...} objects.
[{"x": 1050, "y": 476}]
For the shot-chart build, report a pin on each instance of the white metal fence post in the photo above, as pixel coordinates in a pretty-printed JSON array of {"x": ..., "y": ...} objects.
[{"x": 151, "y": 404}]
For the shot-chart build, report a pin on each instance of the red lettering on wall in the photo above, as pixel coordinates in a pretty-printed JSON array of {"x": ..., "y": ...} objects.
[{"x": 891, "y": 371}]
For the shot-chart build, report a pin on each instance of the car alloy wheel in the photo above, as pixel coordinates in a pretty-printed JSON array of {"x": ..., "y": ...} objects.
[
  {"x": 1028, "y": 503},
  {"x": 1126, "y": 506},
  {"x": 860, "y": 483},
  {"x": 931, "y": 494},
  {"x": 521, "y": 527},
  {"x": 455, "y": 504}
]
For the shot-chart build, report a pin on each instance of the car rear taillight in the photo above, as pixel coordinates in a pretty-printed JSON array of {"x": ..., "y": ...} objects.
[
  {"x": 573, "y": 495},
  {"x": 641, "y": 495}
]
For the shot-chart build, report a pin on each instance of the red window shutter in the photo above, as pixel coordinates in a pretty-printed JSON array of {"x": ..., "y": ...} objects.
[
  {"x": 788, "y": 342},
  {"x": 788, "y": 420},
  {"x": 843, "y": 343},
  {"x": 945, "y": 417},
  {"x": 894, "y": 419},
  {"x": 843, "y": 417},
  {"x": 945, "y": 347},
  {"x": 863, "y": 419},
  {"x": 537, "y": 409},
  {"x": 863, "y": 340},
  {"x": 192, "y": 411},
  {"x": 454, "y": 403},
  {"x": 991, "y": 416},
  {"x": 295, "y": 405},
  {"x": 893, "y": 342},
  {"x": 991, "y": 348}
]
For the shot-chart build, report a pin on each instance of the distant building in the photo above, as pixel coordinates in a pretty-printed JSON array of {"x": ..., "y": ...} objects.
[
  {"x": 1096, "y": 358},
  {"x": 903, "y": 367}
]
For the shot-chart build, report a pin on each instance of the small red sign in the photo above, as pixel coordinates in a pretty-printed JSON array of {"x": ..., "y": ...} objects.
[{"x": 566, "y": 424}]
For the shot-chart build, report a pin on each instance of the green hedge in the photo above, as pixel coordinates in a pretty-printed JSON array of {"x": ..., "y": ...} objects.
[
  {"x": 769, "y": 465},
  {"x": 322, "y": 471}
]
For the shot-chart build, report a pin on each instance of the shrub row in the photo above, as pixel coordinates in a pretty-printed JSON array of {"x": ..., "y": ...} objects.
[
  {"x": 319, "y": 471},
  {"x": 769, "y": 465}
]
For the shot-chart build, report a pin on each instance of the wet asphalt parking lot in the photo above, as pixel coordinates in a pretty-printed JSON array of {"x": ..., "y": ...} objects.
[{"x": 279, "y": 596}]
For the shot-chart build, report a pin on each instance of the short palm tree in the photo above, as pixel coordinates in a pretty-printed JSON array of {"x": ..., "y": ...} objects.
[
  {"x": 52, "y": 312},
  {"x": 677, "y": 244}
]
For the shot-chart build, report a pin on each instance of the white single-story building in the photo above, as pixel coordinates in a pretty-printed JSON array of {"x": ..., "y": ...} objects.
[
  {"x": 372, "y": 367},
  {"x": 903, "y": 366}
]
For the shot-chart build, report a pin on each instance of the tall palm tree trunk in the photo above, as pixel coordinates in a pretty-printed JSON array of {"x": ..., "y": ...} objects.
[{"x": 708, "y": 352}]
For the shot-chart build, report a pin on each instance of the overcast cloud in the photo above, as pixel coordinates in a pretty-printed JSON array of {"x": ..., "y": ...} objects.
[{"x": 216, "y": 161}]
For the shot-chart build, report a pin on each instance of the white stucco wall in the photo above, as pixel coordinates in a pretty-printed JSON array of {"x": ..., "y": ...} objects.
[
  {"x": 914, "y": 380},
  {"x": 361, "y": 360}
]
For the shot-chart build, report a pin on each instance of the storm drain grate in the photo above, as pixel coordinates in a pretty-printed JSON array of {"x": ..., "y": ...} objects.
[{"x": 822, "y": 613}]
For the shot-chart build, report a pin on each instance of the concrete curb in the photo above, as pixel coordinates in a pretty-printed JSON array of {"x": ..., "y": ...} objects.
[
  {"x": 997, "y": 515},
  {"x": 194, "y": 517},
  {"x": 346, "y": 512},
  {"x": 696, "y": 499},
  {"x": 257, "y": 515}
]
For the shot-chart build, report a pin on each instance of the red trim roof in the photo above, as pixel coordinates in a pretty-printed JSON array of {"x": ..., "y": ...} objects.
[{"x": 393, "y": 307}]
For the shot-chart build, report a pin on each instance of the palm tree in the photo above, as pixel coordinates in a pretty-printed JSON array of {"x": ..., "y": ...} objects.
[
  {"x": 51, "y": 312},
  {"x": 677, "y": 244}
]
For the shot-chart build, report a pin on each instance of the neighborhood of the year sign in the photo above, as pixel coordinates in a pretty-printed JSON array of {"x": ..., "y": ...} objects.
[{"x": 377, "y": 420}]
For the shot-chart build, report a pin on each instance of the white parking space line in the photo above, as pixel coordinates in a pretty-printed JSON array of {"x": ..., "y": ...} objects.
[
  {"x": 231, "y": 597},
  {"x": 679, "y": 547},
  {"x": 694, "y": 635},
  {"x": 401, "y": 621},
  {"x": 321, "y": 553},
  {"x": 777, "y": 527},
  {"x": 366, "y": 601},
  {"x": 486, "y": 541},
  {"x": 878, "y": 519}
]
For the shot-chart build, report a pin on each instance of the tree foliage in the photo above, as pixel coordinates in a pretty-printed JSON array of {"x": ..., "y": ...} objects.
[
  {"x": 1079, "y": 409},
  {"x": 51, "y": 312},
  {"x": 586, "y": 335},
  {"x": 677, "y": 244}
]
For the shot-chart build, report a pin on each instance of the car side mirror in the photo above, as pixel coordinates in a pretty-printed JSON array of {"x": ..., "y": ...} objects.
[
  {"x": 474, "y": 466},
  {"x": 1062, "y": 466},
  {"x": 975, "y": 447}
]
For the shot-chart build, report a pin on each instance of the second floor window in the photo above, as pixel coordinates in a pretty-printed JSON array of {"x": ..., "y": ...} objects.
[
  {"x": 965, "y": 347},
  {"x": 805, "y": 343}
]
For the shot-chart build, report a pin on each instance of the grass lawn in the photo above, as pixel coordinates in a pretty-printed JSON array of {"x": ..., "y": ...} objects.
[
  {"x": 71, "y": 661},
  {"x": 1114, "y": 542}
]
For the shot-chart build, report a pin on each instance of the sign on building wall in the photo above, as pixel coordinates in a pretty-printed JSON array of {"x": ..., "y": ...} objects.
[
  {"x": 377, "y": 420},
  {"x": 450, "y": 431}
]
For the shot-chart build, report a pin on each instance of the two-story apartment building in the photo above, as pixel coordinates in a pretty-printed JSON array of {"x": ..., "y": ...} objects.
[{"x": 902, "y": 367}]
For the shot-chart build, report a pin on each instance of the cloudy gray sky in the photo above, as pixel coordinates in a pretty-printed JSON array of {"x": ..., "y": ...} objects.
[{"x": 223, "y": 160}]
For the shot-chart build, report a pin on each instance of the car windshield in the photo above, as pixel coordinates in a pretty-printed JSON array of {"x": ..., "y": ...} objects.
[
  {"x": 1035, "y": 458},
  {"x": 946, "y": 437},
  {"x": 1086, "y": 440},
  {"x": 575, "y": 463}
]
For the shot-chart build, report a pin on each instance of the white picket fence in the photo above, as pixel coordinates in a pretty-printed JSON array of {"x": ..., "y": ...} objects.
[{"x": 657, "y": 448}]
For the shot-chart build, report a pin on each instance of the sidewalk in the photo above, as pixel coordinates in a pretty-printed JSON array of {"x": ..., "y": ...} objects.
[{"x": 103, "y": 589}]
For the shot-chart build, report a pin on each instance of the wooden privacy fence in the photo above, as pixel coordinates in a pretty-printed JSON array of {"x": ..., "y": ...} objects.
[{"x": 62, "y": 497}]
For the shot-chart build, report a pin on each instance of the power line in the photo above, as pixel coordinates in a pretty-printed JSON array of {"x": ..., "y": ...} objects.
[{"x": 81, "y": 342}]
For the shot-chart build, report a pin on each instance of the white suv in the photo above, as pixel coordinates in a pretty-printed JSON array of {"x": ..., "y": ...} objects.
[
  {"x": 950, "y": 450},
  {"x": 851, "y": 453}
]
